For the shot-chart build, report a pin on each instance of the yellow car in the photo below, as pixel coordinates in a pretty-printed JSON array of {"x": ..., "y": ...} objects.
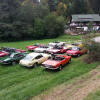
[
  {"x": 79, "y": 44},
  {"x": 69, "y": 46},
  {"x": 33, "y": 59}
]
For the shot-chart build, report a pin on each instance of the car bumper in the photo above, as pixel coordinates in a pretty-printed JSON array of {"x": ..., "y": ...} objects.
[{"x": 49, "y": 67}]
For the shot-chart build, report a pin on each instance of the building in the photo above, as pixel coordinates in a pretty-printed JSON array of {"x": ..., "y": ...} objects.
[{"x": 82, "y": 21}]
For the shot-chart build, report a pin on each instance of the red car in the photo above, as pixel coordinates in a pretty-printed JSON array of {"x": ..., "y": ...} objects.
[
  {"x": 32, "y": 47},
  {"x": 57, "y": 50},
  {"x": 3, "y": 53},
  {"x": 20, "y": 51},
  {"x": 76, "y": 51},
  {"x": 57, "y": 62}
]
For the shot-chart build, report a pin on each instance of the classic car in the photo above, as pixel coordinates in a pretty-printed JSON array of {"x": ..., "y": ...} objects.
[
  {"x": 56, "y": 44},
  {"x": 10, "y": 50},
  {"x": 13, "y": 58},
  {"x": 3, "y": 53},
  {"x": 32, "y": 47},
  {"x": 42, "y": 49},
  {"x": 33, "y": 59},
  {"x": 76, "y": 51},
  {"x": 69, "y": 46},
  {"x": 57, "y": 50},
  {"x": 79, "y": 44},
  {"x": 56, "y": 62}
]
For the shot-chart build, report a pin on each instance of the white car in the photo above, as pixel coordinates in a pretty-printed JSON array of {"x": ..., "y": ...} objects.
[
  {"x": 33, "y": 59},
  {"x": 57, "y": 44},
  {"x": 41, "y": 49}
]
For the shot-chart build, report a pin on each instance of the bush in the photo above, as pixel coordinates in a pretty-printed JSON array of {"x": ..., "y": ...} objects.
[{"x": 94, "y": 53}]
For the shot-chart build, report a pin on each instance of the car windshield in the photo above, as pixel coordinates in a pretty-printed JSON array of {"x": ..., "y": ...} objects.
[
  {"x": 58, "y": 58},
  {"x": 28, "y": 57},
  {"x": 75, "y": 48}
]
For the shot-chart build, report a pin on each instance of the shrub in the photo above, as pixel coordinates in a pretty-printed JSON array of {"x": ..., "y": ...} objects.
[{"x": 94, "y": 53}]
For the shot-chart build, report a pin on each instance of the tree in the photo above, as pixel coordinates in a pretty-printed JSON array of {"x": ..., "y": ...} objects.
[
  {"x": 39, "y": 29},
  {"x": 54, "y": 26}
]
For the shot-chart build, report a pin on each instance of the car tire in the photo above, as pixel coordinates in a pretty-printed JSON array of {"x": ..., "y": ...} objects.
[
  {"x": 13, "y": 63},
  {"x": 60, "y": 68},
  {"x": 35, "y": 65},
  {"x": 78, "y": 55},
  {"x": 69, "y": 61}
]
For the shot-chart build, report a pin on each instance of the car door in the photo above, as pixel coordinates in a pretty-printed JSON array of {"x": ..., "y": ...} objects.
[{"x": 39, "y": 59}]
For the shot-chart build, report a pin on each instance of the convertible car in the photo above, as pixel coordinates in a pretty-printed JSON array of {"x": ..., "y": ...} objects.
[
  {"x": 57, "y": 62},
  {"x": 32, "y": 47},
  {"x": 56, "y": 44},
  {"x": 76, "y": 51},
  {"x": 33, "y": 59},
  {"x": 3, "y": 53},
  {"x": 42, "y": 49},
  {"x": 57, "y": 50},
  {"x": 10, "y": 50},
  {"x": 12, "y": 59}
]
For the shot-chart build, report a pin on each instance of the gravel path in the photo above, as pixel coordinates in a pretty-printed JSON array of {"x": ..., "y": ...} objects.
[{"x": 78, "y": 90}]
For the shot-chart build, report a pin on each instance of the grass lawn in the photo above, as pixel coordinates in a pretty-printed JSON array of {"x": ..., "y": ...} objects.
[{"x": 19, "y": 83}]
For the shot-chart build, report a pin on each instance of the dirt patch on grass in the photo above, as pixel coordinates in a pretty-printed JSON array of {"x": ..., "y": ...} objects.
[{"x": 77, "y": 90}]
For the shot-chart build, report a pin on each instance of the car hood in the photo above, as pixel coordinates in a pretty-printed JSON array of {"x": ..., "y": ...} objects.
[
  {"x": 40, "y": 49},
  {"x": 51, "y": 62},
  {"x": 31, "y": 46},
  {"x": 25, "y": 61},
  {"x": 5, "y": 59},
  {"x": 72, "y": 51},
  {"x": 53, "y": 50}
]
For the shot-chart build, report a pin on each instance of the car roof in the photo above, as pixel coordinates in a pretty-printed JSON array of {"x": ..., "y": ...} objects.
[{"x": 33, "y": 54}]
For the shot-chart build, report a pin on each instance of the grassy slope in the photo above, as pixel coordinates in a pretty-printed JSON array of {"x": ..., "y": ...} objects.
[{"x": 19, "y": 83}]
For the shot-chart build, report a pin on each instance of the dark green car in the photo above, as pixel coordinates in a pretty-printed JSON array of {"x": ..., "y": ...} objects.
[{"x": 13, "y": 58}]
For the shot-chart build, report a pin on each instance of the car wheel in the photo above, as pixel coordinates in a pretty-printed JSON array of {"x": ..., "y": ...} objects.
[
  {"x": 13, "y": 63},
  {"x": 69, "y": 61},
  {"x": 60, "y": 68},
  {"x": 35, "y": 65},
  {"x": 78, "y": 55}
]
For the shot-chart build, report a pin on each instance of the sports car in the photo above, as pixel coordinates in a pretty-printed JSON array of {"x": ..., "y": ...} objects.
[
  {"x": 79, "y": 44},
  {"x": 69, "y": 46},
  {"x": 13, "y": 58},
  {"x": 42, "y": 49},
  {"x": 56, "y": 44},
  {"x": 32, "y": 47},
  {"x": 10, "y": 50},
  {"x": 57, "y": 62},
  {"x": 76, "y": 51},
  {"x": 33, "y": 59},
  {"x": 3, "y": 53},
  {"x": 57, "y": 50}
]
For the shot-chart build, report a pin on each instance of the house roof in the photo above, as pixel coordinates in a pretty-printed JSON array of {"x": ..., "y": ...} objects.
[{"x": 86, "y": 18}]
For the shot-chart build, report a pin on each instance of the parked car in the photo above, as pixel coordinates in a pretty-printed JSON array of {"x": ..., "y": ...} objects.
[
  {"x": 79, "y": 44},
  {"x": 69, "y": 46},
  {"x": 13, "y": 58},
  {"x": 33, "y": 59},
  {"x": 57, "y": 50},
  {"x": 76, "y": 51},
  {"x": 3, "y": 53},
  {"x": 10, "y": 50},
  {"x": 56, "y": 44},
  {"x": 42, "y": 49},
  {"x": 32, "y": 47},
  {"x": 56, "y": 62}
]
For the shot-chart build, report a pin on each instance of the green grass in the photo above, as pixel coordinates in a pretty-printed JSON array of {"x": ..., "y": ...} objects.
[{"x": 19, "y": 83}]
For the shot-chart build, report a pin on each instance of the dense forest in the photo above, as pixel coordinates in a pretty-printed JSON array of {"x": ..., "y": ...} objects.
[{"x": 39, "y": 19}]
